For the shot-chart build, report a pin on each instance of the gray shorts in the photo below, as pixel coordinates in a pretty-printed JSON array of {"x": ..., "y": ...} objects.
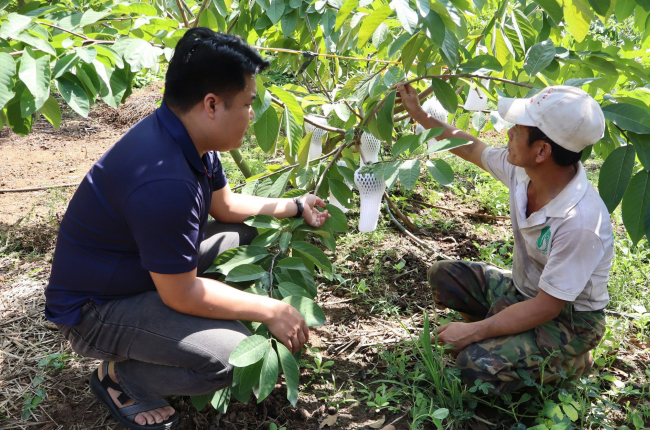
[{"x": 159, "y": 351}]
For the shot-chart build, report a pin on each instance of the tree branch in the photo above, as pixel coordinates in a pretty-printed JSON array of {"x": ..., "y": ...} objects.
[
  {"x": 358, "y": 115},
  {"x": 315, "y": 124},
  {"x": 399, "y": 213},
  {"x": 64, "y": 30},
  {"x": 182, "y": 12},
  {"x": 205, "y": 4},
  {"x": 468, "y": 75},
  {"x": 503, "y": 218}
]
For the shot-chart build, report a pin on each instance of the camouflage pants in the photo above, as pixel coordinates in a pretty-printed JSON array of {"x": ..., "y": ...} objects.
[{"x": 479, "y": 291}]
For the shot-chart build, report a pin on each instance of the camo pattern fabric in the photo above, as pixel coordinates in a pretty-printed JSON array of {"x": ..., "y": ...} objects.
[{"x": 479, "y": 291}]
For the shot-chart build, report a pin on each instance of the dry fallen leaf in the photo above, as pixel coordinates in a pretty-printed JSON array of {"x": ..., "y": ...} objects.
[
  {"x": 329, "y": 420},
  {"x": 389, "y": 427},
  {"x": 378, "y": 423}
]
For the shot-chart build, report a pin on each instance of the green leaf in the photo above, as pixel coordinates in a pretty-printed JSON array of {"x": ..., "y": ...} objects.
[
  {"x": 405, "y": 143},
  {"x": 269, "y": 373},
  {"x": 615, "y": 175},
  {"x": 7, "y": 71},
  {"x": 276, "y": 11},
  {"x": 628, "y": 117},
  {"x": 623, "y": 9},
  {"x": 232, "y": 258},
  {"x": 90, "y": 17},
  {"x": 411, "y": 50},
  {"x": 370, "y": 23},
  {"x": 423, "y": 7},
  {"x": 36, "y": 42},
  {"x": 391, "y": 173},
  {"x": 35, "y": 73},
  {"x": 344, "y": 12},
  {"x": 569, "y": 410},
  {"x": 539, "y": 57},
  {"x": 341, "y": 191},
  {"x": 440, "y": 171},
  {"x": 87, "y": 55},
  {"x": 279, "y": 185},
  {"x": 291, "y": 373},
  {"x": 221, "y": 400},
  {"x": 64, "y": 64},
  {"x": 407, "y": 16},
  {"x": 303, "y": 150},
  {"x": 310, "y": 311},
  {"x": 642, "y": 145},
  {"x": 481, "y": 64},
  {"x": 552, "y": 8},
  {"x": 248, "y": 377},
  {"x": 288, "y": 22},
  {"x": 337, "y": 221},
  {"x": 267, "y": 238},
  {"x": 449, "y": 49},
  {"x": 200, "y": 401},
  {"x": 73, "y": 93},
  {"x": 266, "y": 130},
  {"x": 19, "y": 124},
  {"x": 447, "y": 144},
  {"x": 292, "y": 263},
  {"x": 52, "y": 112},
  {"x": 13, "y": 25},
  {"x": 409, "y": 172},
  {"x": 263, "y": 221},
  {"x": 635, "y": 203},
  {"x": 441, "y": 414},
  {"x": 314, "y": 254},
  {"x": 431, "y": 133},
  {"x": 288, "y": 289},
  {"x": 249, "y": 351},
  {"x": 246, "y": 272},
  {"x": 136, "y": 8},
  {"x": 385, "y": 122},
  {"x": 435, "y": 28},
  {"x": 139, "y": 53},
  {"x": 445, "y": 95},
  {"x": 578, "y": 17}
]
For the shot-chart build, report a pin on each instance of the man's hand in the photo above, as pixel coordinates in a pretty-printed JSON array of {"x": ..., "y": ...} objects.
[
  {"x": 408, "y": 97},
  {"x": 458, "y": 335},
  {"x": 288, "y": 326},
  {"x": 313, "y": 216}
]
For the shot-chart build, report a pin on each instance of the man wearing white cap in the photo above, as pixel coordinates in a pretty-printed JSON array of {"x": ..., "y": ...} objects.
[{"x": 551, "y": 304}]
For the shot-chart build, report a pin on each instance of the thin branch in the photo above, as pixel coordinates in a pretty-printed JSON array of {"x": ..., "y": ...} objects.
[
  {"x": 622, "y": 132},
  {"x": 423, "y": 95},
  {"x": 468, "y": 75},
  {"x": 358, "y": 115},
  {"x": 293, "y": 51},
  {"x": 405, "y": 219},
  {"x": 505, "y": 218},
  {"x": 182, "y": 11},
  {"x": 64, "y": 30},
  {"x": 234, "y": 22},
  {"x": 24, "y": 190},
  {"x": 205, "y": 4},
  {"x": 320, "y": 82},
  {"x": 271, "y": 274},
  {"x": 315, "y": 124}
]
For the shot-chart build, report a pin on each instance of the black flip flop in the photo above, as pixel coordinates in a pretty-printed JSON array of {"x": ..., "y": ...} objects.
[{"x": 126, "y": 415}]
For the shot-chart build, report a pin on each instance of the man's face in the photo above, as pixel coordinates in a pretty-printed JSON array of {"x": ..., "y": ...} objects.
[
  {"x": 232, "y": 121},
  {"x": 519, "y": 153}
]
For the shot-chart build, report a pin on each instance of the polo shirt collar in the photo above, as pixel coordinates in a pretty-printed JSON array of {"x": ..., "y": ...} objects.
[
  {"x": 180, "y": 135},
  {"x": 570, "y": 195}
]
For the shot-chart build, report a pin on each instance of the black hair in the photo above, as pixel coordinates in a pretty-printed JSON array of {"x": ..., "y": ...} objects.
[
  {"x": 562, "y": 157},
  {"x": 204, "y": 62}
]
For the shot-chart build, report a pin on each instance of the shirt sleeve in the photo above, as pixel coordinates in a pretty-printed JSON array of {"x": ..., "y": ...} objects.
[
  {"x": 218, "y": 175},
  {"x": 164, "y": 218},
  {"x": 573, "y": 258},
  {"x": 495, "y": 161}
]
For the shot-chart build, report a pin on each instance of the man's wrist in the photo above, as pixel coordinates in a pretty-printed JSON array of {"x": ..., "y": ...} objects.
[{"x": 300, "y": 207}]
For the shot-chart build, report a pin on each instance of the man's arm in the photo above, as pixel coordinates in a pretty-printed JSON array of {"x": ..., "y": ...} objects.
[
  {"x": 514, "y": 319},
  {"x": 408, "y": 96},
  {"x": 188, "y": 294},
  {"x": 231, "y": 207}
]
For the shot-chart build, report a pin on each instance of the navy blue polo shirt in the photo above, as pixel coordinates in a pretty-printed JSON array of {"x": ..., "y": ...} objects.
[{"x": 142, "y": 207}]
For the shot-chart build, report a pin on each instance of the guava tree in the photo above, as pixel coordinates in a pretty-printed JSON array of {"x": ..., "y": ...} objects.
[{"x": 343, "y": 57}]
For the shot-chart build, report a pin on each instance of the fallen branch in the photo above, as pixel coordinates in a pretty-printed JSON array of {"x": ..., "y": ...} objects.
[
  {"x": 24, "y": 190},
  {"x": 459, "y": 210},
  {"x": 406, "y": 220}
]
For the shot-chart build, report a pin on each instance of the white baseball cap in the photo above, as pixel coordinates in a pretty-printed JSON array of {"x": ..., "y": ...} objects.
[{"x": 567, "y": 115}]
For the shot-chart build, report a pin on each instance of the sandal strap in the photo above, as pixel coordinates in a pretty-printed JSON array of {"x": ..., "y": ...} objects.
[
  {"x": 107, "y": 383},
  {"x": 130, "y": 412}
]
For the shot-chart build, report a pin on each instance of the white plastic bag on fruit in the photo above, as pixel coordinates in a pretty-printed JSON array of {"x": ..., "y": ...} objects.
[
  {"x": 316, "y": 147},
  {"x": 332, "y": 200},
  {"x": 476, "y": 100},
  {"x": 433, "y": 107},
  {"x": 371, "y": 191}
]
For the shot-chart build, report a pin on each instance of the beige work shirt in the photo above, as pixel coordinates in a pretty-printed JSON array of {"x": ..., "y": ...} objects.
[{"x": 566, "y": 247}]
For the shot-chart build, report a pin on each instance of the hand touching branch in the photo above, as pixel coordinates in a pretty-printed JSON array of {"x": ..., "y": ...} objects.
[{"x": 408, "y": 97}]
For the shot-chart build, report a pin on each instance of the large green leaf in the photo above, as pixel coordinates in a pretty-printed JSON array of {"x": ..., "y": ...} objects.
[
  {"x": 279, "y": 185},
  {"x": 635, "y": 203},
  {"x": 263, "y": 221},
  {"x": 344, "y": 12},
  {"x": 601, "y": 7},
  {"x": 35, "y": 73},
  {"x": 249, "y": 351},
  {"x": 440, "y": 171},
  {"x": 290, "y": 101},
  {"x": 615, "y": 176},
  {"x": 199, "y": 402},
  {"x": 449, "y": 49},
  {"x": 314, "y": 254},
  {"x": 371, "y": 22},
  {"x": 435, "y": 27},
  {"x": 539, "y": 57},
  {"x": 642, "y": 145},
  {"x": 13, "y": 25},
  {"x": 623, "y": 9},
  {"x": 232, "y": 258},
  {"x": 291, "y": 373},
  {"x": 310, "y": 311},
  {"x": 275, "y": 11},
  {"x": 73, "y": 93},
  {"x": 292, "y": 263},
  {"x": 341, "y": 191},
  {"x": 337, "y": 221},
  {"x": 552, "y": 8},
  {"x": 65, "y": 63},
  {"x": 269, "y": 373},
  {"x": 15, "y": 120},
  {"x": 35, "y": 41},
  {"x": 445, "y": 95},
  {"x": 409, "y": 172},
  {"x": 221, "y": 399},
  {"x": 407, "y": 16},
  {"x": 139, "y": 53},
  {"x": 266, "y": 129},
  {"x": 52, "y": 112},
  {"x": 447, "y": 144},
  {"x": 481, "y": 64},
  {"x": 411, "y": 50},
  {"x": 578, "y": 16},
  {"x": 7, "y": 71},
  {"x": 385, "y": 122},
  {"x": 246, "y": 272},
  {"x": 628, "y": 117},
  {"x": 405, "y": 143},
  {"x": 288, "y": 289},
  {"x": 248, "y": 377}
]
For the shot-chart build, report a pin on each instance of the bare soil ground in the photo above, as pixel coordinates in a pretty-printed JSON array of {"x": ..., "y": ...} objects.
[{"x": 353, "y": 337}]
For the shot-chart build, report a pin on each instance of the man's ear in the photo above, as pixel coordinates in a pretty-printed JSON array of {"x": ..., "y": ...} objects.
[
  {"x": 212, "y": 103},
  {"x": 543, "y": 151}
]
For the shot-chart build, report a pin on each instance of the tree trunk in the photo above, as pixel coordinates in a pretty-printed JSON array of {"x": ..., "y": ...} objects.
[{"x": 241, "y": 163}]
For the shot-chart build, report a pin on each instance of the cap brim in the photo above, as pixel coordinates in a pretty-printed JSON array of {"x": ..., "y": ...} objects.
[{"x": 514, "y": 111}]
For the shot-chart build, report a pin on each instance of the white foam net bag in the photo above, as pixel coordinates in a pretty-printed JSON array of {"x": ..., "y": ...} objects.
[
  {"x": 316, "y": 146},
  {"x": 476, "y": 100},
  {"x": 371, "y": 191},
  {"x": 370, "y": 146},
  {"x": 433, "y": 107},
  {"x": 332, "y": 200}
]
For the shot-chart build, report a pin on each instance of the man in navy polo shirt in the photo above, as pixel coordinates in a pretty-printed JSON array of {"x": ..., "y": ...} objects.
[{"x": 127, "y": 285}]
